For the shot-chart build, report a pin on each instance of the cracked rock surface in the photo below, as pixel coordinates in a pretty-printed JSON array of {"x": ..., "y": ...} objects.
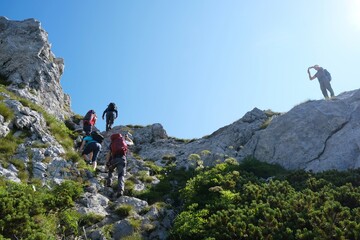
[{"x": 315, "y": 135}]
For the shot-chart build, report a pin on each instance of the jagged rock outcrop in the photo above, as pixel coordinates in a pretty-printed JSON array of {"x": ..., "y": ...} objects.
[
  {"x": 316, "y": 135},
  {"x": 29, "y": 66},
  {"x": 224, "y": 143}
]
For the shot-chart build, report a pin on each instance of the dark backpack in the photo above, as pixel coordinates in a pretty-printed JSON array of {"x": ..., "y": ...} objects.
[
  {"x": 327, "y": 74},
  {"x": 112, "y": 107},
  {"x": 97, "y": 136},
  {"x": 118, "y": 145}
]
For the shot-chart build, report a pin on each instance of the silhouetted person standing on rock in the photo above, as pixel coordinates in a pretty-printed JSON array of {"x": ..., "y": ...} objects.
[
  {"x": 111, "y": 114},
  {"x": 324, "y": 78}
]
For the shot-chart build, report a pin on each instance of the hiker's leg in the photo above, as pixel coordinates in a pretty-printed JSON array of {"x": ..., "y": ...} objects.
[
  {"x": 323, "y": 89},
  {"x": 328, "y": 87},
  {"x": 109, "y": 178},
  {"x": 121, "y": 169},
  {"x": 86, "y": 158},
  {"x": 109, "y": 119},
  {"x": 87, "y": 150},
  {"x": 96, "y": 150},
  {"x": 107, "y": 123}
]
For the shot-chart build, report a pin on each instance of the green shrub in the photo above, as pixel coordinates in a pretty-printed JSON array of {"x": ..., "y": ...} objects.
[
  {"x": 169, "y": 158},
  {"x": 8, "y": 146},
  {"x": 38, "y": 144},
  {"x": 205, "y": 152},
  {"x": 135, "y": 223},
  {"x": 77, "y": 118},
  {"x": 124, "y": 210},
  {"x": 66, "y": 194},
  {"x": 134, "y": 236},
  {"x": 144, "y": 177},
  {"x": 21, "y": 206},
  {"x": 73, "y": 156},
  {"x": 4, "y": 81},
  {"x": 69, "y": 222},
  {"x": 171, "y": 181},
  {"x": 155, "y": 169},
  {"x": 261, "y": 169},
  {"x": 90, "y": 219},
  {"x": 6, "y": 112},
  {"x": 225, "y": 202},
  {"x": 60, "y": 132}
]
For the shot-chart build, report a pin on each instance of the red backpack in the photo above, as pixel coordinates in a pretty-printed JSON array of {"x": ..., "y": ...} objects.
[
  {"x": 118, "y": 145},
  {"x": 90, "y": 118}
]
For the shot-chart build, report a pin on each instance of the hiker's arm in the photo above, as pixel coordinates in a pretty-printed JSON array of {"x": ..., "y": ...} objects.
[
  {"x": 311, "y": 77},
  {"x": 129, "y": 140},
  {"x": 116, "y": 113},
  {"x": 108, "y": 156},
  {"x": 104, "y": 114}
]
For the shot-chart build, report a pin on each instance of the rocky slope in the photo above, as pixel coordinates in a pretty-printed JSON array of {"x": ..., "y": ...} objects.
[
  {"x": 28, "y": 65},
  {"x": 315, "y": 135}
]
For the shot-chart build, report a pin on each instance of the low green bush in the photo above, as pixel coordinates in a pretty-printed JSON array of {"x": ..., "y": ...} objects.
[
  {"x": 226, "y": 202},
  {"x": 124, "y": 210},
  {"x": 6, "y": 112},
  {"x": 90, "y": 219},
  {"x": 8, "y": 146},
  {"x": 35, "y": 213},
  {"x": 261, "y": 169}
]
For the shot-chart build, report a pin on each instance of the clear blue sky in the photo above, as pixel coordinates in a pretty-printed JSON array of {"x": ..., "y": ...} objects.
[{"x": 196, "y": 65}]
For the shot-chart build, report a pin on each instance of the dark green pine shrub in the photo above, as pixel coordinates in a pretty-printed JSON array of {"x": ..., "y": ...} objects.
[
  {"x": 26, "y": 213},
  {"x": 225, "y": 202}
]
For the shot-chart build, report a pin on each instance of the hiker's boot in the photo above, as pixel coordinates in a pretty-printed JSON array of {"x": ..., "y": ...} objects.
[{"x": 119, "y": 194}]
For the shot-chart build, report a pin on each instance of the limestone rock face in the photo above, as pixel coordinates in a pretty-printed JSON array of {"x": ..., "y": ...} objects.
[
  {"x": 30, "y": 68},
  {"x": 316, "y": 135}
]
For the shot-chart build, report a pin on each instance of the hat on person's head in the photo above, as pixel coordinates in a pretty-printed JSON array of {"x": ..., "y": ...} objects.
[{"x": 316, "y": 65}]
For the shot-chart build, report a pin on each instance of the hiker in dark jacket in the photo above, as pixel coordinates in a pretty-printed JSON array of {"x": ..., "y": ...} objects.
[
  {"x": 323, "y": 80},
  {"x": 111, "y": 114},
  {"x": 90, "y": 147}
]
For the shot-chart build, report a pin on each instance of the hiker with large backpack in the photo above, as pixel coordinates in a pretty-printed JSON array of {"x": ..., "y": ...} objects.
[
  {"x": 89, "y": 121},
  {"x": 111, "y": 114},
  {"x": 324, "y": 78},
  {"x": 116, "y": 158},
  {"x": 91, "y": 145}
]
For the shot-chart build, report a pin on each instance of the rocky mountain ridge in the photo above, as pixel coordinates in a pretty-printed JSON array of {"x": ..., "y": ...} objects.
[
  {"x": 315, "y": 135},
  {"x": 30, "y": 68}
]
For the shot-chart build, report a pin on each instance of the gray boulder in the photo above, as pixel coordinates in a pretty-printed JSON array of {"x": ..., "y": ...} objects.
[{"x": 316, "y": 135}]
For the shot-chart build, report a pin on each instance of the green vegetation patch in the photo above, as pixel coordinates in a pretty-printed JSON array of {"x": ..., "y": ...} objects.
[
  {"x": 4, "y": 81},
  {"x": 6, "y": 112},
  {"x": 228, "y": 202},
  {"x": 8, "y": 146},
  {"x": 35, "y": 214},
  {"x": 124, "y": 210}
]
